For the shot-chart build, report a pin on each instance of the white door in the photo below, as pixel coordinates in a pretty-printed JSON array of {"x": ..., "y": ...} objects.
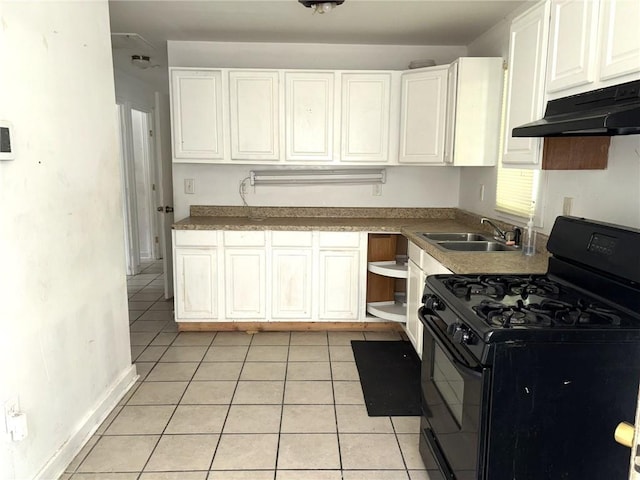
[
  {"x": 255, "y": 115},
  {"x": 245, "y": 283},
  {"x": 339, "y": 284},
  {"x": 309, "y": 116},
  {"x": 196, "y": 284},
  {"x": 423, "y": 116},
  {"x": 197, "y": 115},
  {"x": 291, "y": 283},
  {"x": 620, "y": 46},
  {"x": 415, "y": 287},
  {"x": 164, "y": 187},
  {"x": 365, "y": 117},
  {"x": 526, "y": 76},
  {"x": 144, "y": 188},
  {"x": 572, "y": 44}
]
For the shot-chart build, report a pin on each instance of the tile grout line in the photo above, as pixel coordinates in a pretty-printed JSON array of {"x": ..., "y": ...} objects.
[
  {"x": 226, "y": 417},
  {"x": 175, "y": 408}
]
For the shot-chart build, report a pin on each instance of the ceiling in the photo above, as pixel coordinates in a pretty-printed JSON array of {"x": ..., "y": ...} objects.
[{"x": 395, "y": 22}]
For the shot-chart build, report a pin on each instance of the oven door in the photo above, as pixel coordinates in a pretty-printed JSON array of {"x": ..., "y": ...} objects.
[{"x": 455, "y": 403}]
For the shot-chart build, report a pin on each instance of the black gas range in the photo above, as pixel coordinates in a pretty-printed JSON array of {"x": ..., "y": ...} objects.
[{"x": 527, "y": 376}]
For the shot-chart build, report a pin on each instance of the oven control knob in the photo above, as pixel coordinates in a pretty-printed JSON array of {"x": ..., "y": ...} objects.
[
  {"x": 432, "y": 302},
  {"x": 461, "y": 334}
]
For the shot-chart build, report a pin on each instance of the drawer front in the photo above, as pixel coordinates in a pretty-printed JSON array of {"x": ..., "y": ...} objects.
[
  {"x": 195, "y": 238},
  {"x": 292, "y": 239},
  {"x": 244, "y": 239},
  {"x": 339, "y": 239}
]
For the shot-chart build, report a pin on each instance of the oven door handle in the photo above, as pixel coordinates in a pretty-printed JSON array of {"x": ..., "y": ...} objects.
[{"x": 451, "y": 354}]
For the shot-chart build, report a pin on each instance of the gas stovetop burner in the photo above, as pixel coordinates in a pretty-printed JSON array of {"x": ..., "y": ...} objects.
[
  {"x": 546, "y": 313},
  {"x": 500, "y": 286}
]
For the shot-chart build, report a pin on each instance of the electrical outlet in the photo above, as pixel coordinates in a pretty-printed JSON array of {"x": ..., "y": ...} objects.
[
  {"x": 567, "y": 205},
  {"x": 189, "y": 186},
  {"x": 377, "y": 190},
  {"x": 10, "y": 406}
]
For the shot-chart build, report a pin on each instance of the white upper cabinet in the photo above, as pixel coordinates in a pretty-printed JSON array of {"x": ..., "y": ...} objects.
[
  {"x": 365, "y": 116},
  {"x": 473, "y": 112},
  {"x": 572, "y": 44},
  {"x": 309, "y": 116},
  {"x": 196, "y": 98},
  {"x": 620, "y": 39},
  {"x": 423, "y": 115},
  {"x": 254, "y": 114},
  {"x": 593, "y": 44},
  {"x": 529, "y": 35}
]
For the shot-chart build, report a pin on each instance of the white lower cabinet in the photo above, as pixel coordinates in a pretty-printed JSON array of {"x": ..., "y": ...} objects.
[
  {"x": 196, "y": 283},
  {"x": 339, "y": 284},
  {"x": 415, "y": 287},
  {"x": 421, "y": 265},
  {"x": 229, "y": 276},
  {"x": 291, "y": 283},
  {"x": 245, "y": 283}
]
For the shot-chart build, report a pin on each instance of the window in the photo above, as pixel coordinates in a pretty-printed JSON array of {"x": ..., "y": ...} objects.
[{"x": 517, "y": 190}]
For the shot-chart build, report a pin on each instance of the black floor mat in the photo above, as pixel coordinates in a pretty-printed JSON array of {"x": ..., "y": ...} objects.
[{"x": 390, "y": 377}]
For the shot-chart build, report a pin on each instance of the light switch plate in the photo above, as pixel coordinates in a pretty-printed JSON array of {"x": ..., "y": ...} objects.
[{"x": 7, "y": 143}]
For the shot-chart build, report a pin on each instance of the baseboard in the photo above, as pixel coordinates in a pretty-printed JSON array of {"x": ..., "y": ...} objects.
[
  {"x": 85, "y": 429},
  {"x": 288, "y": 326}
]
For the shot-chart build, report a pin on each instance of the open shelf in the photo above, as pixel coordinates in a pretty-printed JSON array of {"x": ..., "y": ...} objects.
[
  {"x": 392, "y": 311},
  {"x": 389, "y": 268}
]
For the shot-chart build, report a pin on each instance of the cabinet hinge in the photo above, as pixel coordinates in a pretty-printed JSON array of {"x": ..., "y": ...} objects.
[
  {"x": 151, "y": 133},
  {"x": 157, "y": 239},
  {"x": 505, "y": 65},
  {"x": 153, "y": 187}
]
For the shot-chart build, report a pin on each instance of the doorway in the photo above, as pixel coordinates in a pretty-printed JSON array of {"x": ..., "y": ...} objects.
[{"x": 139, "y": 187}]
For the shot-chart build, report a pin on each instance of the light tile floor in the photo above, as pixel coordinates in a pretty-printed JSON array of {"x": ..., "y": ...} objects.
[{"x": 232, "y": 406}]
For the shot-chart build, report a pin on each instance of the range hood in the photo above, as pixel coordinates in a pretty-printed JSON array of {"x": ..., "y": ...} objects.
[{"x": 605, "y": 112}]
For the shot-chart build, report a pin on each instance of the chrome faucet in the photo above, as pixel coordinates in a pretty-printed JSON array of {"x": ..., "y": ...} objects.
[
  {"x": 496, "y": 229},
  {"x": 510, "y": 236}
]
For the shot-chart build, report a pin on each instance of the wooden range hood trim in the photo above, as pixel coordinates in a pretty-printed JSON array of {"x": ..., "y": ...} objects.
[{"x": 575, "y": 153}]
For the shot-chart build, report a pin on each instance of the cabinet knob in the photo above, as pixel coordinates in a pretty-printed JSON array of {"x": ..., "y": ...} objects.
[{"x": 624, "y": 434}]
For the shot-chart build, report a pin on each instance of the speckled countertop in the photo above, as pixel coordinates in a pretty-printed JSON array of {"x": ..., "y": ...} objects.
[{"x": 408, "y": 221}]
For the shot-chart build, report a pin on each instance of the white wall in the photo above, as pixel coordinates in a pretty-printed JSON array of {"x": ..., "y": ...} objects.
[
  {"x": 64, "y": 348},
  {"x": 218, "y": 185},
  {"x": 305, "y": 55},
  {"x": 405, "y": 187},
  {"x": 611, "y": 195}
]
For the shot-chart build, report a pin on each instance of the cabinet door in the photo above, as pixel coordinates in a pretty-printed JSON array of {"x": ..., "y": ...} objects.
[
  {"x": 572, "y": 44},
  {"x": 197, "y": 115},
  {"x": 196, "y": 284},
  {"x": 309, "y": 116},
  {"x": 291, "y": 283},
  {"x": 254, "y": 114},
  {"x": 339, "y": 284},
  {"x": 365, "y": 117},
  {"x": 620, "y": 44},
  {"x": 525, "y": 95},
  {"x": 245, "y": 283},
  {"x": 415, "y": 287},
  {"x": 423, "y": 115}
]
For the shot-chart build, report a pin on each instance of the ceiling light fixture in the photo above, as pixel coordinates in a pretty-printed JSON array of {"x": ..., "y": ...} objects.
[
  {"x": 141, "y": 61},
  {"x": 319, "y": 6}
]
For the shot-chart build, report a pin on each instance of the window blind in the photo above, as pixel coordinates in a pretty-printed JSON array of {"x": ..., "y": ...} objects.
[{"x": 516, "y": 191}]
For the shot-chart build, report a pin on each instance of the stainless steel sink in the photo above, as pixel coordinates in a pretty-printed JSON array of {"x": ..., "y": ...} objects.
[
  {"x": 476, "y": 246},
  {"x": 459, "y": 237}
]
